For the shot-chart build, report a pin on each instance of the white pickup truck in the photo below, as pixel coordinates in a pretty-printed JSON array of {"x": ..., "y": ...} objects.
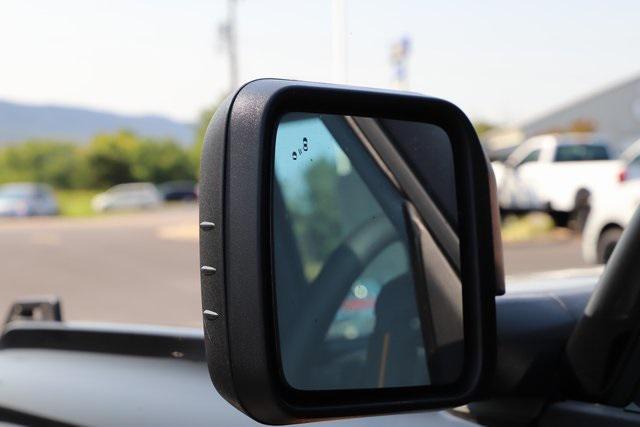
[{"x": 555, "y": 173}]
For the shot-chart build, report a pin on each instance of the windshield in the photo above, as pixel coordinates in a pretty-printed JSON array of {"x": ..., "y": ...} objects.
[
  {"x": 106, "y": 105},
  {"x": 15, "y": 195},
  {"x": 16, "y": 192}
]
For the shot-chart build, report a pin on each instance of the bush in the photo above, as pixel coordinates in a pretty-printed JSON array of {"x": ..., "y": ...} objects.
[
  {"x": 201, "y": 130},
  {"x": 109, "y": 159},
  {"x": 160, "y": 161},
  {"x": 56, "y": 163}
]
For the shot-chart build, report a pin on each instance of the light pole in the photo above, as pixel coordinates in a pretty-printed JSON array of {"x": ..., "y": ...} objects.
[
  {"x": 339, "y": 41},
  {"x": 227, "y": 32}
]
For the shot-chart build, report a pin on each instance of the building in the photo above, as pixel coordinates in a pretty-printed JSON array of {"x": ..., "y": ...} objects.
[{"x": 614, "y": 112}]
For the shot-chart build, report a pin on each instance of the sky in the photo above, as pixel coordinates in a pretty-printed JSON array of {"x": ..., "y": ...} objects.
[{"x": 500, "y": 61}]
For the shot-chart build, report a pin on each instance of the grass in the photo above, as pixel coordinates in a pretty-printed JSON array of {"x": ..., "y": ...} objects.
[
  {"x": 529, "y": 227},
  {"x": 76, "y": 203}
]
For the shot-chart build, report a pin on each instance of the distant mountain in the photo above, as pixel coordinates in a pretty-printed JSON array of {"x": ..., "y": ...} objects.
[{"x": 19, "y": 122}]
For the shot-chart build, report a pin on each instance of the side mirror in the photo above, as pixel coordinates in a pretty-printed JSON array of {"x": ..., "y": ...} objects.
[{"x": 350, "y": 252}]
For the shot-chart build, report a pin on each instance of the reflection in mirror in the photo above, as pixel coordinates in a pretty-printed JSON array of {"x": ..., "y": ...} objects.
[{"x": 365, "y": 253}]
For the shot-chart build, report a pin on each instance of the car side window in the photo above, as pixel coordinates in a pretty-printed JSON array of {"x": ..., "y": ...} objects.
[
  {"x": 580, "y": 153},
  {"x": 633, "y": 169},
  {"x": 635, "y": 163},
  {"x": 531, "y": 157}
]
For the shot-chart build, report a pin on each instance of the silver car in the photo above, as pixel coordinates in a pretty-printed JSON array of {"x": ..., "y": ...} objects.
[
  {"x": 135, "y": 195},
  {"x": 27, "y": 199}
]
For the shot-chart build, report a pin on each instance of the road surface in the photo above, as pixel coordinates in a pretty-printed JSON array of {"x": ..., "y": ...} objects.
[
  {"x": 543, "y": 255},
  {"x": 139, "y": 268},
  {"x": 143, "y": 268}
]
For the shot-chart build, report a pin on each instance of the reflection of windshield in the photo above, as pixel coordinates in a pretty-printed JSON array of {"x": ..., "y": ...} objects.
[
  {"x": 333, "y": 193},
  {"x": 325, "y": 193},
  {"x": 349, "y": 229}
]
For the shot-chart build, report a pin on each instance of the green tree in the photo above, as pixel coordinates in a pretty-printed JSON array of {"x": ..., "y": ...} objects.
[
  {"x": 53, "y": 162},
  {"x": 201, "y": 130},
  {"x": 196, "y": 149},
  {"x": 160, "y": 161},
  {"x": 111, "y": 157}
]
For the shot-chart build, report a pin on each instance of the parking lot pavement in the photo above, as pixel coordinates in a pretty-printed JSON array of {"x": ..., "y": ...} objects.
[
  {"x": 143, "y": 268},
  {"x": 139, "y": 268},
  {"x": 542, "y": 255}
]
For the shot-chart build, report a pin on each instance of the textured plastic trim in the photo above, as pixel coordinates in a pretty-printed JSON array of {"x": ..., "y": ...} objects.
[{"x": 241, "y": 342}]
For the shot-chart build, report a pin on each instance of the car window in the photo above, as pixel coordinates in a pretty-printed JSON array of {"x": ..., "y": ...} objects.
[
  {"x": 577, "y": 153},
  {"x": 635, "y": 162},
  {"x": 632, "y": 169},
  {"x": 531, "y": 157},
  {"x": 10, "y": 193}
]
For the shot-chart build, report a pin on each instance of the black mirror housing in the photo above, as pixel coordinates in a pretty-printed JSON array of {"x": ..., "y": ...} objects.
[{"x": 237, "y": 259}]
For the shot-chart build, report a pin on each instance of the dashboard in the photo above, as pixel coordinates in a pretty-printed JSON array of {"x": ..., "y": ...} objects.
[
  {"x": 107, "y": 374},
  {"x": 91, "y": 386}
]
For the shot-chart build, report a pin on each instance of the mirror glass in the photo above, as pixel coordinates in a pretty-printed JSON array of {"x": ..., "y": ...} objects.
[{"x": 365, "y": 253}]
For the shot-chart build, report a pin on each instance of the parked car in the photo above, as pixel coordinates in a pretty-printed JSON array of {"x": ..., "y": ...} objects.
[
  {"x": 630, "y": 163},
  {"x": 610, "y": 212},
  {"x": 135, "y": 195},
  {"x": 611, "y": 209},
  {"x": 27, "y": 199},
  {"x": 555, "y": 173},
  {"x": 178, "y": 191}
]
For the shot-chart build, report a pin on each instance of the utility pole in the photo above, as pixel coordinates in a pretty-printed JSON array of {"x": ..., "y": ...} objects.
[
  {"x": 228, "y": 31},
  {"x": 339, "y": 41}
]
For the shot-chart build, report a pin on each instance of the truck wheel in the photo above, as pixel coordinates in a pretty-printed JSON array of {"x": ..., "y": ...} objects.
[
  {"x": 607, "y": 243},
  {"x": 582, "y": 207},
  {"x": 560, "y": 219}
]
